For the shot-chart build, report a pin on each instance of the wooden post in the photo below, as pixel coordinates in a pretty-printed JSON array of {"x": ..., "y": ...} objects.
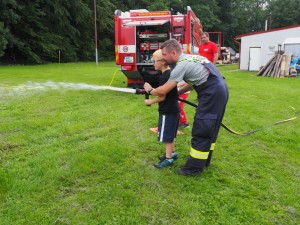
[
  {"x": 282, "y": 67},
  {"x": 287, "y": 65}
]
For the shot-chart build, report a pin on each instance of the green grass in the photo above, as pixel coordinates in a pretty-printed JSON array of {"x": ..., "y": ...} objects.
[{"x": 71, "y": 156}]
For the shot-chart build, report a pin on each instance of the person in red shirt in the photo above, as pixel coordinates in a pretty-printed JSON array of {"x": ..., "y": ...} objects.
[{"x": 208, "y": 48}]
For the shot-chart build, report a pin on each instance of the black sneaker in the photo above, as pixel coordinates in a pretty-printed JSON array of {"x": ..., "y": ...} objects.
[
  {"x": 163, "y": 157},
  {"x": 164, "y": 163}
]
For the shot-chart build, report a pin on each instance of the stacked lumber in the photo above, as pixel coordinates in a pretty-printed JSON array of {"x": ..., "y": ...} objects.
[{"x": 278, "y": 66}]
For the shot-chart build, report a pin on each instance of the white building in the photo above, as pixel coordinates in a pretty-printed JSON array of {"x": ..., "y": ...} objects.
[{"x": 257, "y": 48}]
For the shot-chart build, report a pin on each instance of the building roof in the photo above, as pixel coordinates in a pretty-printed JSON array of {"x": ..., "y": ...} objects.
[
  {"x": 238, "y": 37},
  {"x": 292, "y": 41}
]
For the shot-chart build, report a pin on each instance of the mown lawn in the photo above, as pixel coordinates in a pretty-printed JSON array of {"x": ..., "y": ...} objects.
[{"x": 70, "y": 155}]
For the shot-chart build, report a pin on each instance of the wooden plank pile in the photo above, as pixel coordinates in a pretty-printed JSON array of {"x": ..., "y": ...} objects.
[{"x": 278, "y": 66}]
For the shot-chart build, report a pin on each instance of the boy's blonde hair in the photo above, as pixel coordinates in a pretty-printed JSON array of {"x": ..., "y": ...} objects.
[{"x": 158, "y": 54}]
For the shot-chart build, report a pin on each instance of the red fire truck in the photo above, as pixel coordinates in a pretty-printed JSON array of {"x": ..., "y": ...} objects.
[{"x": 138, "y": 33}]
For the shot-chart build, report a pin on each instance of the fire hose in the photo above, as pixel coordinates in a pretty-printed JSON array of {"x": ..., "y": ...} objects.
[
  {"x": 142, "y": 91},
  {"x": 251, "y": 131}
]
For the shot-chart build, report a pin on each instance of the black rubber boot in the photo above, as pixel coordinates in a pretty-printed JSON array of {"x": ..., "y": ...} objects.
[
  {"x": 192, "y": 167},
  {"x": 207, "y": 163}
]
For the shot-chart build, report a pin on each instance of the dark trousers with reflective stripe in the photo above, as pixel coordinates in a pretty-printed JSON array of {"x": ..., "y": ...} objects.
[{"x": 212, "y": 100}]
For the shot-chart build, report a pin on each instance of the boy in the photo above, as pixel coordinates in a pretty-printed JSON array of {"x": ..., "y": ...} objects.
[{"x": 168, "y": 113}]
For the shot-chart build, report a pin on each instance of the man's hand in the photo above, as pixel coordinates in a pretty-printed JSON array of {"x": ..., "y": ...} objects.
[{"x": 184, "y": 88}]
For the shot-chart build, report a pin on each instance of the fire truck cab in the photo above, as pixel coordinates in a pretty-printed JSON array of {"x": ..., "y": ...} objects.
[{"x": 138, "y": 33}]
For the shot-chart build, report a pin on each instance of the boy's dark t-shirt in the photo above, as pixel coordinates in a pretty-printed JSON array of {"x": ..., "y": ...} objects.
[{"x": 170, "y": 104}]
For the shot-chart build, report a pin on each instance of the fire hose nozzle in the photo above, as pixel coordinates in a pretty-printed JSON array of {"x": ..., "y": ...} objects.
[{"x": 139, "y": 91}]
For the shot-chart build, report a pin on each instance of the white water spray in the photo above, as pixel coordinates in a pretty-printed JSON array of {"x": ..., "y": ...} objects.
[{"x": 30, "y": 87}]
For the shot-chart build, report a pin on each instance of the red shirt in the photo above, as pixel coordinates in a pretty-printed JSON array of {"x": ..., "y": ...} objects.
[{"x": 208, "y": 50}]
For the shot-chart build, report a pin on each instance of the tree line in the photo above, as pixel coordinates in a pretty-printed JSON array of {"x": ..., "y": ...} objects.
[{"x": 43, "y": 31}]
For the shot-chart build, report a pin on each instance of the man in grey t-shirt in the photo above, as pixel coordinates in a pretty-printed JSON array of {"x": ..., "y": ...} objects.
[{"x": 203, "y": 76}]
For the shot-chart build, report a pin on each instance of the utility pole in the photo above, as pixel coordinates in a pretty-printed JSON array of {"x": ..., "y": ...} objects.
[
  {"x": 270, "y": 21},
  {"x": 96, "y": 36}
]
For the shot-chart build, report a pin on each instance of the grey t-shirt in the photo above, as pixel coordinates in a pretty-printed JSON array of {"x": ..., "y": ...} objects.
[{"x": 190, "y": 69}]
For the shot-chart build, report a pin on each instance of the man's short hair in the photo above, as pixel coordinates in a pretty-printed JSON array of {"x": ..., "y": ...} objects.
[
  {"x": 171, "y": 45},
  {"x": 206, "y": 34}
]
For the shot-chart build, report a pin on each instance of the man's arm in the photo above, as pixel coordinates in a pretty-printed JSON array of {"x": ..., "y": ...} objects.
[
  {"x": 215, "y": 58},
  {"x": 161, "y": 90},
  {"x": 216, "y": 53},
  {"x": 184, "y": 88}
]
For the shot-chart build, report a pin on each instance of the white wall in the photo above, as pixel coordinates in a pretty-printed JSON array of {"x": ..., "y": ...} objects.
[{"x": 268, "y": 42}]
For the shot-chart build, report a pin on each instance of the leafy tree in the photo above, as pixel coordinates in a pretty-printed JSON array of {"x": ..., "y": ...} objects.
[
  {"x": 240, "y": 16},
  {"x": 105, "y": 22},
  {"x": 8, "y": 18},
  {"x": 158, "y": 5},
  {"x": 284, "y": 13},
  {"x": 3, "y": 39},
  {"x": 68, "y": 24},
  {"x": 227, "y": 16},
  {"x": 176, "y": 5},
  {"x": 34, "y": 31},
  {"x": 27, "y": 33},
  {"x": 206, "y": 11}
]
